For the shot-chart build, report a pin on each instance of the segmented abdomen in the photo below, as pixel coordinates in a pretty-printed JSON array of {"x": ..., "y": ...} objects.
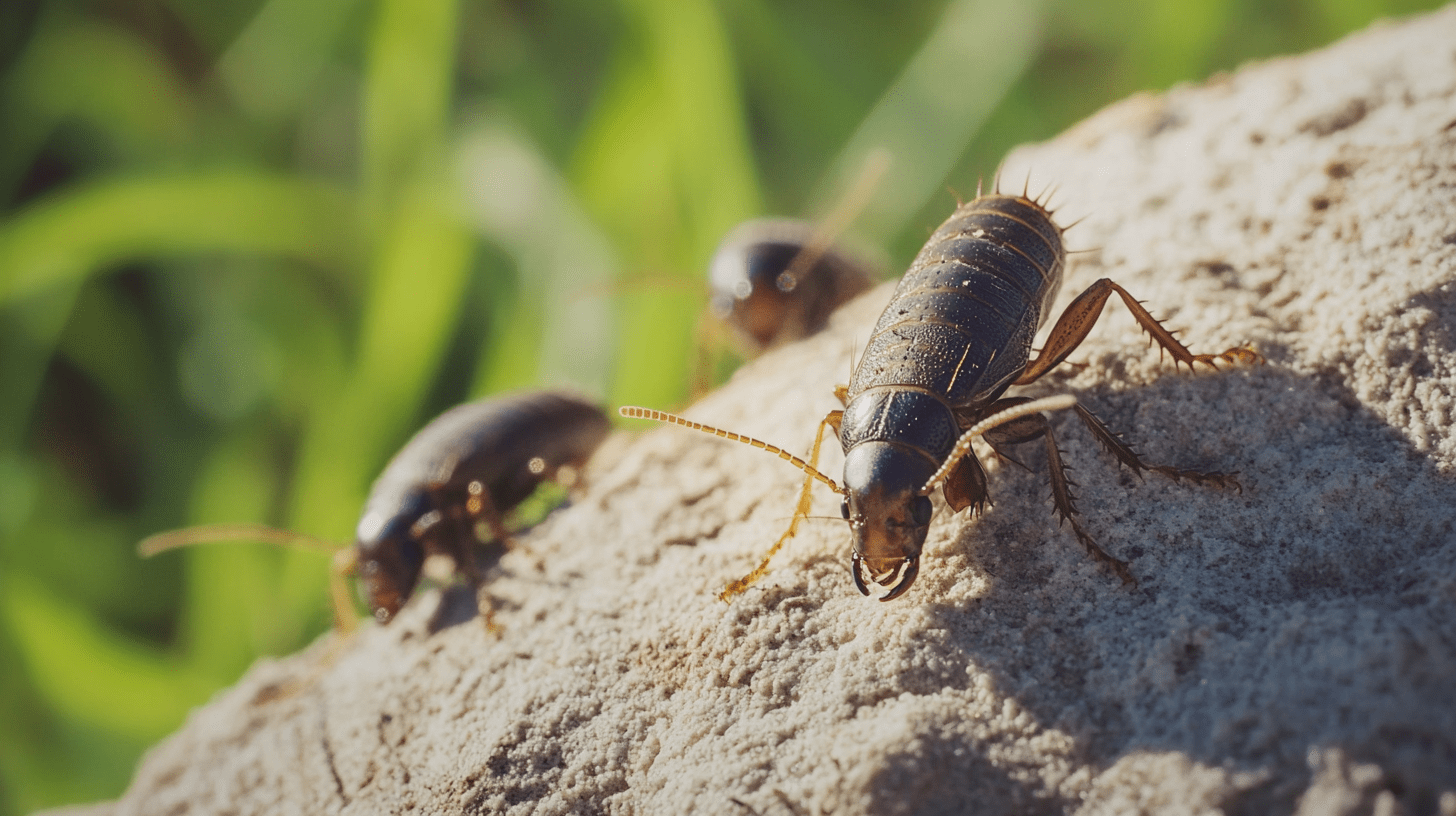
[
  {"x": 491, "y": 441},
  {"x": 961, "y": 323}
]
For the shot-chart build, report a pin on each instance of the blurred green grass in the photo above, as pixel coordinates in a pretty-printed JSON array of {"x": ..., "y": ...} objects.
[{"x": 248, "y": 247}]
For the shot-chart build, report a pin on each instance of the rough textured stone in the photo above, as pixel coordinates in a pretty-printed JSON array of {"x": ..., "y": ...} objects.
[{"x": 1289, "y": 648}]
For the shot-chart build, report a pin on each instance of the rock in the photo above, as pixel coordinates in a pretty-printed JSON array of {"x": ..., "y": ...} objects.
[{"x": 1287, "y": 648}]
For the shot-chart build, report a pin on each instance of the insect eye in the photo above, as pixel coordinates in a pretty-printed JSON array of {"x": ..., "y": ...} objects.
[
  {"x": 844, "y": 509},
  {"x": 920, "y": 511}
]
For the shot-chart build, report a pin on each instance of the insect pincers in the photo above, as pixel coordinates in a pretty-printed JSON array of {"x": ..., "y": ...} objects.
[
  {"x": 956, "y": 335},
  {"x": 447, "y": 490}
]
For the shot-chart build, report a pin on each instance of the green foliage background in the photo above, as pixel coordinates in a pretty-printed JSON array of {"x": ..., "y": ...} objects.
[{"x": 248, "y": 246}]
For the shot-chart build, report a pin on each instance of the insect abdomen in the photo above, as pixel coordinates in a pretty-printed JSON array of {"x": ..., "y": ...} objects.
[{"x": 962, "y": 320}]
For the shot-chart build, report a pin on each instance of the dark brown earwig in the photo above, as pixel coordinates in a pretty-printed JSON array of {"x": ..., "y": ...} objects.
[
  {"x": 956, "y": 335},
  {"x": 446, "y": 490}
]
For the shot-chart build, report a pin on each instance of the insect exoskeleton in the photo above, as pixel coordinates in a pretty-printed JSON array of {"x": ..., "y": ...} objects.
[
  {"x": 771, "y": 283},
  {"x": 956, "y": 335},
  {"x": 448, "y": 489},
  {"x": 777, "y": 280}
]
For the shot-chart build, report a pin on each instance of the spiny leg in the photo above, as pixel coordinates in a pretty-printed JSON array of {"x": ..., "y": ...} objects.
[
  {"x": 966, "y": 486},
  {"x": 1074, "y": 324},
  {"x": 1067, "y": 510},
  {"x": 801, "y": 512},
  {"x": 1026, "y": 429},
  {"x": 1020, "y": 431},
  {"x": 1114, "y": 444},
  {"x": 998, "y": 413}
]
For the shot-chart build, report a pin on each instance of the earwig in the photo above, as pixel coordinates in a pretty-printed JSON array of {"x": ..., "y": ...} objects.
[
  {"x": 956, "y": 335},
  {"x": 776, "y": 280},
  {"x": 442, "y": 493},
  {"x": 771, "y": 284}
]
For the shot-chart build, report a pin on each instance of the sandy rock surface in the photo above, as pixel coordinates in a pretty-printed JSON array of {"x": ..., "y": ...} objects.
[{"x": 1289, "y": 649}]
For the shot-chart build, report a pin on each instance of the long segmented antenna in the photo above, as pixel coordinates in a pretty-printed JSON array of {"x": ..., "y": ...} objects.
[
  {"x": 963, "y": 445},
  {"x": 345, "y": 561},
  {"x": 876, "y": 163},
  {"x": 219, "y": 533},
  {"x": 634, "y": 412}
]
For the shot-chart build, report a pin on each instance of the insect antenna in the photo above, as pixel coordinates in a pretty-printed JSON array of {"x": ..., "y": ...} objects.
[
  {"x": 634, "y": 412},
  {"x": 220, "y": 533},
  {"x": 963, "y": 445},
  {"x": 345, "y": 559},
  {"x": 809, "y": 518},
  {"x": 876, "y": 164}
]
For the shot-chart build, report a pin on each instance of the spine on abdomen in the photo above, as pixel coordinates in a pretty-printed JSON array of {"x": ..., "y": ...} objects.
[
  {"x": 961, "y": 323},
  {"x": 963, "y": 317}
]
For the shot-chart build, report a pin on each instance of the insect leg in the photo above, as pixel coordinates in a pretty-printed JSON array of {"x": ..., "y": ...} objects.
[
  {"x": 451, "y": 536},
  {"x": 966, "y": 486},
  {"x": 344, "y": 563},
  {"x": 482, "y": 508},
  {"x": 1067, "y": 508},
  {"x": 801, "y": 512},
  {"x": 1114, "y": 444},
  {"x": 998, "y": 413},
  {"x": 1025, "y": 426},
  {"x": 1025, "y": 429},
  {"x": 1074, "y": 324}
]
